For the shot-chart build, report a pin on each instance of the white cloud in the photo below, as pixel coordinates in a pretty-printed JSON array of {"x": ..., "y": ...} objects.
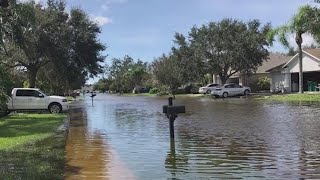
[
  {"x": 107, "y": 3},
  {"x": 308, "y": 40},
  {"x": 101, "y": 20},
  {"x": 105, "y": 7}
]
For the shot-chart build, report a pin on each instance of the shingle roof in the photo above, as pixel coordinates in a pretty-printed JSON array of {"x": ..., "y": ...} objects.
[
  {"x": 314, "y": 52},
  {"x": 273, "y": 61}
]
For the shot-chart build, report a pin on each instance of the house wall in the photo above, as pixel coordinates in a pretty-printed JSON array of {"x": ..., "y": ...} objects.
[
  {"x": 246, "y": 80},
  {"x": 281, "y": 78},
  {"x": 216, "y": 79},
  {"x": 308, "y": 64},
  {"x": 277, "y": 78}
]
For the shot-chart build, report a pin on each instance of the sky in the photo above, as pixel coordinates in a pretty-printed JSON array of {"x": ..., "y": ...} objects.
[{"x": 144, "y": 29}]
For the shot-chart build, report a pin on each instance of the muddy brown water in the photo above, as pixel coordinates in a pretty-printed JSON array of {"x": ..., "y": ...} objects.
[{"x": 128, "y": 138}]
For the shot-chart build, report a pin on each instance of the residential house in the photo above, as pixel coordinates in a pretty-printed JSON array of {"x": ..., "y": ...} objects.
[
  {"x": 274, "y": 60},
  {"x": 287, "y": 73}
]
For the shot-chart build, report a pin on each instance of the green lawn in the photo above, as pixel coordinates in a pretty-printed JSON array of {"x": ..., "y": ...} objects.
[
  {"x": 155, "y": 95},
  {"x": 295, "y": 97},
  {"x": 30, "y": 148},
  {"x": 139, "y": 94}
]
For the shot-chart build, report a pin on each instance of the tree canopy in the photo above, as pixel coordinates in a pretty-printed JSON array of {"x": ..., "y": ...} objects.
[
  {"x": 167, "y": 72},
  {"x": 62, "y": 47},
  {"x": 123, "y": 74},
  {"x": 223, "y": 48}
]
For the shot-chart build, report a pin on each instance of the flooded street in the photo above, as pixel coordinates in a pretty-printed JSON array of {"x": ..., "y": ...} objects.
[{"x": 128, "y": 138}]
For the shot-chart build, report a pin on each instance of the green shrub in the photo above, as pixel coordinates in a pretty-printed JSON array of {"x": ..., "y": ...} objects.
[
  {"x": 263, "y": 83},
  {"x": 180, "y": 91},
  {"x": 188, "y": 89},
  {"x": 154, "y": 91}
]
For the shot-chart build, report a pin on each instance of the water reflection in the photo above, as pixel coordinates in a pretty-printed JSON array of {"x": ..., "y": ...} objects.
[
  {"x": 174, "y": 160},
  {"x": 217, "y": 138},
  {"x": 87, "y": 154}
]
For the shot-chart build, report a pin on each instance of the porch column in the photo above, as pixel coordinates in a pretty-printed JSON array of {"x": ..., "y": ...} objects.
[
  {"x": 216, "y": 79},
  {"x": 272, "y": 81}
]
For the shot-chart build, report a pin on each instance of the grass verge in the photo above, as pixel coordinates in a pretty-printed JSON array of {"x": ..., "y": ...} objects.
[
  {"x": 294, "y": 97},
  {"x": 140, "y": 94},
  {"x": 155, "y": 95},
  {"x": 30, "y": 147}
]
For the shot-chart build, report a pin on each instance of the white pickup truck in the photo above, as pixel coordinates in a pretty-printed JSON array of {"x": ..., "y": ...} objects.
[{"x": 35, "y": 99}]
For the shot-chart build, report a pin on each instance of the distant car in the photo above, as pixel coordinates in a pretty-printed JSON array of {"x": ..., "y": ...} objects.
[
  {"x": 207, "y": 89},
  {"x": 140, "y": 90},
  {"x": 227, "y": 90},
  {"x": 77, "y": 93}
]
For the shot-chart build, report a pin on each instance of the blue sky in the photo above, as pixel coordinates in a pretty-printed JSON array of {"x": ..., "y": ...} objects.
[{"x": 144, "y": 28}]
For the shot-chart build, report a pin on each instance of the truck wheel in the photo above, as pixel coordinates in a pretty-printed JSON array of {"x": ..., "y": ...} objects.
[{"x": 55, "y": 108}]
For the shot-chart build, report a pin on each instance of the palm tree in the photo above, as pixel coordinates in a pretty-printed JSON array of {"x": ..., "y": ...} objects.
[{"x": 304, "y": 22}]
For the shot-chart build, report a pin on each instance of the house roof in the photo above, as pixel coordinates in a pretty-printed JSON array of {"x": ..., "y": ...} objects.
[
  {"x": 313, "y": 52},
  {"x": 274, "y": 60}
]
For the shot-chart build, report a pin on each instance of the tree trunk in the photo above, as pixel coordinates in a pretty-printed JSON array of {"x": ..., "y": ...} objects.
[
  {"x": 299, "y": 43},
  {"x": 173, "y": 93},
  {"x": 32, "y": 75},
  {"x": 223, "y": 79}
]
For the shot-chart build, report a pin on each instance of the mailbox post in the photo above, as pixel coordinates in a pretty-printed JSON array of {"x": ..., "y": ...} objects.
[
  {"x": 172, "y": 113},
  {"x": 92, "y": 96}
]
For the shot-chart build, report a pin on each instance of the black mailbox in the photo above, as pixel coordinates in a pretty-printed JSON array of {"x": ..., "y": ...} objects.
[
  {"x": 173, "y": 109},
  {"x": 172, "y": 113},
  {"x": 176, "y": 109},
  {"x": 165, "y": 109}
]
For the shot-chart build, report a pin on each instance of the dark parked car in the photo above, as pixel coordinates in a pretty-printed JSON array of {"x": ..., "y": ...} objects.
[{"x": 140, "y": 90}]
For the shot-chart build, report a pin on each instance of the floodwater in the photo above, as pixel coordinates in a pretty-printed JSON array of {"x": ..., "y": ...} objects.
[{"x": 237, "y": 138}]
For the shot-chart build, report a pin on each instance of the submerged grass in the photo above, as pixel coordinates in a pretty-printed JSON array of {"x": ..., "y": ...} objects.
[
  {"x": 140, "y": 94},
  {"x": 30, "y": 148},
  {"x": 306, "y": 97},
  {"x": 155, "y": 95}
]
